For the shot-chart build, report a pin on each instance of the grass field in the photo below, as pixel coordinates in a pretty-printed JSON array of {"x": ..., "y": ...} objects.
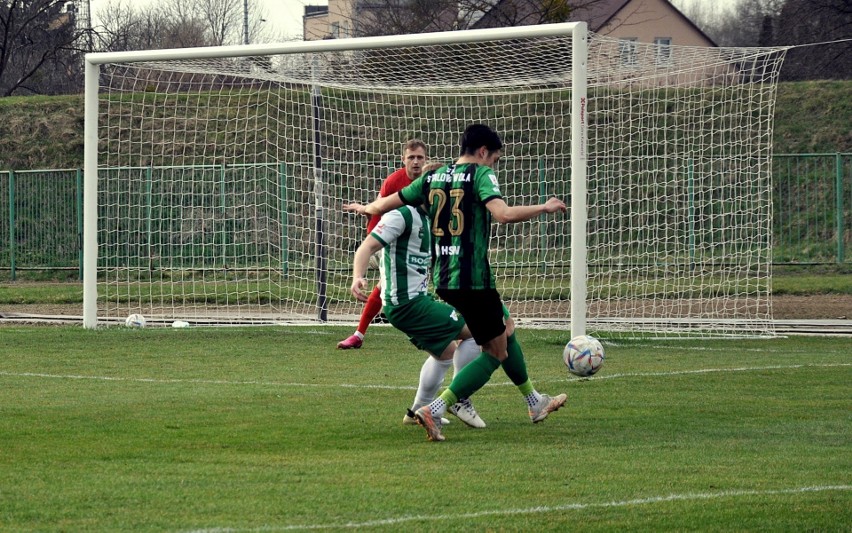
[{"x": 272, "y": 429}]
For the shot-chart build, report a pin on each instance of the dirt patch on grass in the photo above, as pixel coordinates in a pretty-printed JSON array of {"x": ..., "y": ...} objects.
[
  {"x": 784, "y": 307},
  {"x": 830, "y": 306}
]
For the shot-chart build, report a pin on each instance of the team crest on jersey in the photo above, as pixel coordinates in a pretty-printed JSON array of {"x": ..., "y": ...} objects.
[
  {"x": 454, "y": 315},
  {"x": 493, "y": 179}
]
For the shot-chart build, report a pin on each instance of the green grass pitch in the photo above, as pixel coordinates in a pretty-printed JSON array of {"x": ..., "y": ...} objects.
[{"x": 273, "y": 429}]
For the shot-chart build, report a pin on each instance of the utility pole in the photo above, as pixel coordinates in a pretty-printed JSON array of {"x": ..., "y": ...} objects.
[
  {"x": 245, "y": 22},
  {"x": 89, "y": 31}
]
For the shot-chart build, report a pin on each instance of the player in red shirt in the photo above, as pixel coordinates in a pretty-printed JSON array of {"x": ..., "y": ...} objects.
[{"x": 413, "y": 160}]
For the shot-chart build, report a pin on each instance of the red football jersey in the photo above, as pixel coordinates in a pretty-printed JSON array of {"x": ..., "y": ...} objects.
[{"x": 394, "y": 183}]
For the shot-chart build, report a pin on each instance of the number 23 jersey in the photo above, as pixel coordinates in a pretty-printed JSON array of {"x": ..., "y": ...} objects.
[{"x": 455, "y": 198}]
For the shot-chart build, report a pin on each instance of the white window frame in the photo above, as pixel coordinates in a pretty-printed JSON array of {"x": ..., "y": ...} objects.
[
  {"x": 628, "y": 50},
  {"x": 663, "y": 50}
]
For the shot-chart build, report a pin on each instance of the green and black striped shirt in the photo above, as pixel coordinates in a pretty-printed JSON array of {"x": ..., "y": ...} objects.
[{"x": 455, "y": 197}]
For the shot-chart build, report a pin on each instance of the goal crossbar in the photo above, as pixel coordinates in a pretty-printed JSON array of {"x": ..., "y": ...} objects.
[{"x": 338, "y": 45}]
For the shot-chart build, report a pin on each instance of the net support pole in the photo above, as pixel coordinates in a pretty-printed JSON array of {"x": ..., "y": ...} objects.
[
  {"x": 579, "y": 155},
  {"x": 322, "y": 260},
  {"x": 80, "y": 222},
  {"x": 90, "y": 198},
  {"x": 12, "y": 231}
]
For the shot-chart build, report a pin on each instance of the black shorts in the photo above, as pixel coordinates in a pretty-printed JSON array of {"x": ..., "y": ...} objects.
[{"x": 482, "y": 310}]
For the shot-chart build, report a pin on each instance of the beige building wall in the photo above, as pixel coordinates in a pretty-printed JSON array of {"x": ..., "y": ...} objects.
[
  {"x": 336, "y": 23},
  {"x": 340, "y": 18},
  {"x": 648, "y": 20},
  {"x": 315, "y": 27}
]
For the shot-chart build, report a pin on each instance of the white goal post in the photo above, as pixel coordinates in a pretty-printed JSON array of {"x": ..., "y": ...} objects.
[{"x": 214, "y": 176}]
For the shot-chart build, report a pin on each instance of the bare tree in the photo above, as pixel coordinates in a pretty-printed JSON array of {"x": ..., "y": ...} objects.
[
  {"x": 223, "y": 18},
  {"x": 123, "y": 27},
  {"x": 185, "y": 25},
  {"x": 749, "y": 23},
  {"x": 175, "y": 24},
  {"x": 707, "y": 16},
  {"x": 390, "y": 17},
  {"x": 506, "y": 13},
  {"x": 39, "y": 51},
  {"x": 816, "y": 21},
  {"x": 114, "y": 31}
]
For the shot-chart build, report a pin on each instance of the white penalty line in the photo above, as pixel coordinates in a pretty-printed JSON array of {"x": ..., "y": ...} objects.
[
  {"x": 708, "y": 371},
  {"x": 536, "y": 510},
  {"x": 408, "y": 387},
  {"x": 203, "y": 381}
]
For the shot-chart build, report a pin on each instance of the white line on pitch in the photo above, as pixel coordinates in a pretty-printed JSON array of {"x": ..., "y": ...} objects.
[
  {"x": 203, "y": 381},
  {"x": 706, "y": 371},
  {"x": 536, "y": 510},
  {"x": 409, "y": 387}
]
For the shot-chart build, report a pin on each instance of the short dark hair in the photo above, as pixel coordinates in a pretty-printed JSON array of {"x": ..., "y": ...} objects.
[
  {"x": 414, "y": 144},
  {"x": 476, "y": 136}
]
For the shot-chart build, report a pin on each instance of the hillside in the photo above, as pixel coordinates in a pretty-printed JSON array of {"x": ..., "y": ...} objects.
[{"x": 47, "y": 132}]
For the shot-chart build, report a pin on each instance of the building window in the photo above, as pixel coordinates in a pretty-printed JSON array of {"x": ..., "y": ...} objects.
[
  {"x": 663, "y": 50},
  {"x": 335, "y": 30},
  {"x": 627, "y": 51}
]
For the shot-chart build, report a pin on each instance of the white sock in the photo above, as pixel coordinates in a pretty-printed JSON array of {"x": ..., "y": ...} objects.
[
  {"x": 466, "y": 352},
  {"x": 431, "y": 376},
  {"x": 359, "y": 334},
  {"x": 533, "y": 398},
  {"x": 439, "y": 406}
]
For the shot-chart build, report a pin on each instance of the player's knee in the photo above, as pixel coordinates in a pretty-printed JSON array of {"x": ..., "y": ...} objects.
[
  {"x": 496, "y": 348},
  {"x": 448, "y": 352}
]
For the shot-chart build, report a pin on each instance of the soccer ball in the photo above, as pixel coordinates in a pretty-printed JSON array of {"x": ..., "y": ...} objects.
[
  {"x": 583, "y": 355},
  {"x": 135, "y": 321}
]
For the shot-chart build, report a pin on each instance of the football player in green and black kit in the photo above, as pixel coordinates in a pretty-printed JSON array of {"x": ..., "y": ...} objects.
[{"x": 461, "y": 200}]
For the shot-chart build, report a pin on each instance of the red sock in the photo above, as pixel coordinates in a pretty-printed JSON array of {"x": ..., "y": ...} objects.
[{"x": 371, "y": 309}]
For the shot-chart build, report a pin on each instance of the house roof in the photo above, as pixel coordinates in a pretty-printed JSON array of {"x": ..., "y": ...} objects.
[
  {"x": 315, "y": 10},
  {"x": 598, "y": 13}
]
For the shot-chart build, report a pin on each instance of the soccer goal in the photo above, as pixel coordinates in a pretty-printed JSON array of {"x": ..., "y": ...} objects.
[{"x": 215, "y": 176}]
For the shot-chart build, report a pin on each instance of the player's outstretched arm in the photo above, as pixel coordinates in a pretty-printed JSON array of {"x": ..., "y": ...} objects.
[
  {"x": 506, "y": 214},
  {"x": 379, "y": 206},
  {"x": 360, "y": 264}
]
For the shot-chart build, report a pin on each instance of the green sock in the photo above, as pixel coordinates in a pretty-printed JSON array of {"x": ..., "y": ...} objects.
[
  {"x": 514, "y": 366},
  {"x": 449, "y": 397},
  {"x": 473, "y": 376}
]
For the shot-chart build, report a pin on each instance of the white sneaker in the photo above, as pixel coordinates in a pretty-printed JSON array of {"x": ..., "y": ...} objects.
[
  {"x": 465, "y": 412},
  {"x": 546, "y": 406},
  {"x": 409, "y": 420}
]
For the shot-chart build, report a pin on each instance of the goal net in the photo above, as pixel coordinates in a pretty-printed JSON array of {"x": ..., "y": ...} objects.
[{"x": 215, "y": 176}]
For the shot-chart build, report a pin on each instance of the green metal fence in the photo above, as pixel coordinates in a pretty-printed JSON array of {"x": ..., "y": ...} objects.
[
  {"x": 812, "y": 208},
  {"x": 41, "y": 215},
  {"x": 41, "y": 221}
]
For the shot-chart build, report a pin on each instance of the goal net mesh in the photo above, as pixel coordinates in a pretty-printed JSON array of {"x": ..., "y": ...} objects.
[{"x": 221, "y": 180}]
